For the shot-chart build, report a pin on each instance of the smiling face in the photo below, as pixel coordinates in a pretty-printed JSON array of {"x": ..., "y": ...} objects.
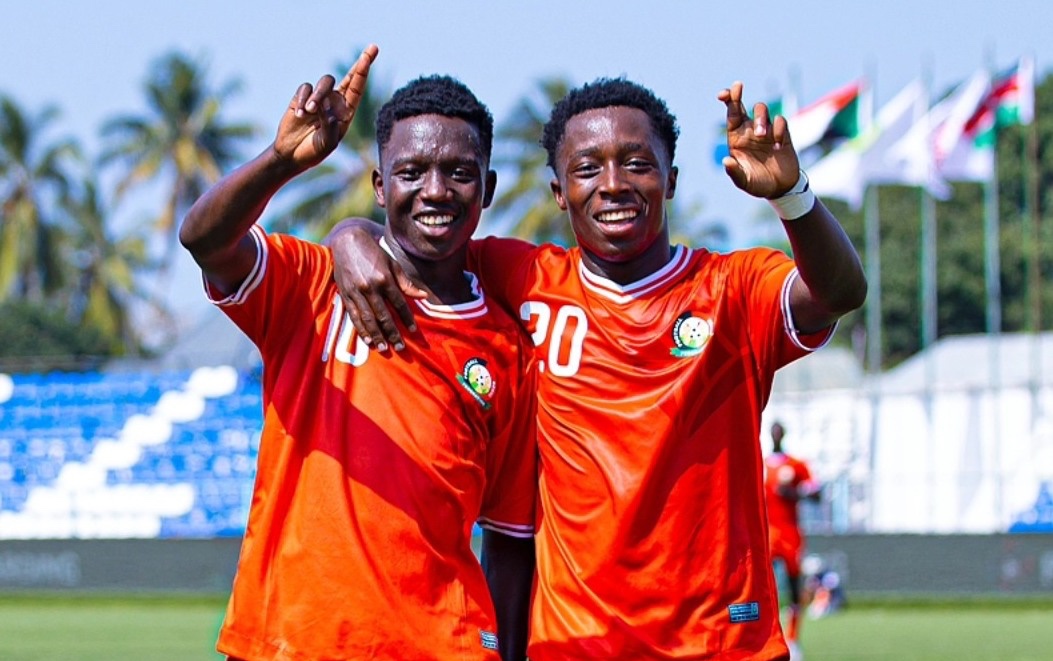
[
  {"x": 434, "y": 183},
  {"x": 613, "y": 176}
]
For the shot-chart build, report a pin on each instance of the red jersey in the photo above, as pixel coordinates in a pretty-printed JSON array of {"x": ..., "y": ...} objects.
[
  {"x": 784, "y": 473},
  {"x": 372, "y": 470},
  {"x": 652, "y": 537}
]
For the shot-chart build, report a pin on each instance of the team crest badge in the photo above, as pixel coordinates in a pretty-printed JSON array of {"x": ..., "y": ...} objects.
[
  {"x": 478, "y": 381},
  {"x": 690, "y": 335}
]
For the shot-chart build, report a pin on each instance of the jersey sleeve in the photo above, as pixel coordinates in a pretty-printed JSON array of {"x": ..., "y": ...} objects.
[
  {"x": 504, "y": 267},
  {"x": 510, "y": 497},
  {"x": 766, "y": 277},
  {"x": 807, "y": 485},
  {"x": 288, "y": 273}
]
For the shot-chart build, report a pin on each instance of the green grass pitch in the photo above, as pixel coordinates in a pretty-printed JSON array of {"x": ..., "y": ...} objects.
[
  {"x": 38, "y": 627},
  {"x": 943, "y": 631}
]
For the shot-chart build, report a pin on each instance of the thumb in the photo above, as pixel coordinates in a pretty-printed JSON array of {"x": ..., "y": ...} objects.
[
  {"x": 409, "y": 287},
  {"x": 734, "y": 171}
]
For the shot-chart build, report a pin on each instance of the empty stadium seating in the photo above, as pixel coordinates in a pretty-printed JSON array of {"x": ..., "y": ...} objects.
[{"x": 130, "y": 454}]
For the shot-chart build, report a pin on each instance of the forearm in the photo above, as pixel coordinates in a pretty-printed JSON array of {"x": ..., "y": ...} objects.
[
  {"x": 348, "y": 225},
  {"x": 829, "y": 267},
  {"x": 509, "y": 566},
  {"x": 221, "y": 217}
]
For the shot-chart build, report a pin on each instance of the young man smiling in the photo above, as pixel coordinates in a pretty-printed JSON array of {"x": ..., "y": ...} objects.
[
  {"x": 373, "y": 468},
  {"x": 655, "y": 362}
]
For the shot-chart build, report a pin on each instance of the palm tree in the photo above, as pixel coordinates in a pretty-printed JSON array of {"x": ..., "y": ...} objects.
[
  {"x": 528, "y": 200},
  {"x": 181, "y": 141},
  {"x": 107, "y": 289},
  {"x": 32, "y": 178},
  {"x": 342, "y": 185}
]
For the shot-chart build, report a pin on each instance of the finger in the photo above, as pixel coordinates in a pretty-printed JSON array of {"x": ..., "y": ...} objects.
[
  {"x": 354, "y": 304},
  {"x": 397, "y": 298},
  {"x": 780, "y": 133},
  {"x": 734, "y": 171},
  {"x": 299, "y": 99},
  {"x": 736, "y": 91},
  {"x": 321, "y": 90},
  {"x": 381, "y": 325},
  {"x": 411, "y": 287},
  {"x": 736, "y": 112},
  {"x": 353, "y": 85},
  {"x": 761, "y": 121}
]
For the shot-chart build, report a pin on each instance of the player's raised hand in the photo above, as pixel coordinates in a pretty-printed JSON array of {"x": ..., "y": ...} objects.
[
  {"x": 318, "y": 117},
  {"x": 761, "y": 160}
]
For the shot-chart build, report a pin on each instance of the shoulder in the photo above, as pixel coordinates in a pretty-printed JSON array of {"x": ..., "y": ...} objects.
[{"x": 756, "y": 258}]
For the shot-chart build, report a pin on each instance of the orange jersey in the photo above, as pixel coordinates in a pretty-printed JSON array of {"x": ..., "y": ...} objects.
[
  {"x": 652, "y": 538},
  {"x": 372, "y": 470},
  {"x": 784, "y": 473}
]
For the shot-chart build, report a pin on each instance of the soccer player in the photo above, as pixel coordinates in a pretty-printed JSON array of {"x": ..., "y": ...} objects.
[
  {"x": 373, "y": 468},
  {"x": 787, "y": 481},
  {"x": 655, "y": 362}
]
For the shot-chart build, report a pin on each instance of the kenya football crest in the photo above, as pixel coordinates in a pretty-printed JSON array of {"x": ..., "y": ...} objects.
[
  {"x": 690, "y": 335},
  {"x": 478, "y": 381}
]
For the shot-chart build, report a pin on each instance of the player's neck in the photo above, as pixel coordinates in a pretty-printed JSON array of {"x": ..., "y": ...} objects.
[{"x": 634, "y": 268}]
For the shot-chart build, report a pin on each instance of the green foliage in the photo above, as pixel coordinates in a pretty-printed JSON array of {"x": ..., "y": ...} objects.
[
  {"x": 181, "y": 140},
  {"x": 38, "y": 338}
]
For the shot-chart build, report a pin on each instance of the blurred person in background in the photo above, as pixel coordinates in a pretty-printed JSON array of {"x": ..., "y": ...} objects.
[
  {"x": 787, "y": 481},
  {"x": 374, "y": 468},
  {"x": 656, "y": 361}
]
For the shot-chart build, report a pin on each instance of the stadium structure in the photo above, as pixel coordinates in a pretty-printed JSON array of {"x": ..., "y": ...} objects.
[
  {"x": 937, "y": 475},
  {"x": 956, "y": 440}
]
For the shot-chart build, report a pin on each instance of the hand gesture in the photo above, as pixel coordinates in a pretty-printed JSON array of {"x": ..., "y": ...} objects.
[
  {"x": 318, "y": 118},
  {"x": 761, "y": 160},
  {"x": 372, "y": 284}
]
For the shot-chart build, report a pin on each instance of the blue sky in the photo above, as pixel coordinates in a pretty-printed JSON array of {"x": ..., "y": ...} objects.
[{"x": 90, "y": 59}]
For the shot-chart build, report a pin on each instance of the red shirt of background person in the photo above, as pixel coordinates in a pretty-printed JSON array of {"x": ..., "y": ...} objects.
[
  {"x": 787, "y": 481},
  {"x": 655, "y": 364},
  {"x": 373, "y": 468}
]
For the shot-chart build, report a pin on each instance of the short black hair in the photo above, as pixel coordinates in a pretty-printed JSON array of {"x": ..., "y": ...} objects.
[
  {"x": 435, "y": 95},
  {"x": 607, "y": 93}
]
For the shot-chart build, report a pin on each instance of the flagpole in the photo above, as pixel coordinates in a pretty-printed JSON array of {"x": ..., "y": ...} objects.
[
  {"x": 992, "y": 276},
  {"x": 993, "y": 291},
  {"x": 872, "y": 239},
  {"x": 1033, "y": 255},
  {"x": 992, "y": 252},
  {"x": 1034, "y": 274}
]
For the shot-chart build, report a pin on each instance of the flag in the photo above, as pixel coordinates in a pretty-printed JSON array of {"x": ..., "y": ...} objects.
[
  {"x": 834, "y": 116},
  {"x": 919, "y": 154},
  {"x": 1015, "y": 92},
  {"x": 720, "y": 149},
  {"x": 1009, "y": 100},
  {"x": 847, "y": 170}
]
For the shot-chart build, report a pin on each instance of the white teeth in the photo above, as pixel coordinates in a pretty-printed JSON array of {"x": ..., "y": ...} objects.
[
  {"x": 435, "y": 221},
  {"x": 615, "y": 216}
]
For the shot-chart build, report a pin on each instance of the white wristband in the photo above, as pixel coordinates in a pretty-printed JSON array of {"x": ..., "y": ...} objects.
[{"x": 797, "y": 201}]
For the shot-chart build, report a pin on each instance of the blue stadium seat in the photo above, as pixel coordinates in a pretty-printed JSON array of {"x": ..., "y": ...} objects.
[{"x": 57, "y": 428}]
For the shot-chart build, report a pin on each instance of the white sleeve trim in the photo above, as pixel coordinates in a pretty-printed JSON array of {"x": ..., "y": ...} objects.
[
  {"x": 510, "y": 529},
  {"x": 787, "y": 316},
  {"x": 252, "y": 280}
]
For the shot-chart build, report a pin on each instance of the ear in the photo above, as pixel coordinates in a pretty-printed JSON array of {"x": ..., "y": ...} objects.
[
  {"x": 491, "y": 188},
  {"x": 671, "y": 183},
  {"x": 557, "y": 192},
  {"x": 378, "y": 188}
]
